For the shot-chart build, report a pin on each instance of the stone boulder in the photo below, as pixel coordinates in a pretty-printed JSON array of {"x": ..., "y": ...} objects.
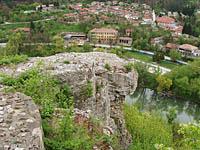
[{"x": 20, "y": 123}]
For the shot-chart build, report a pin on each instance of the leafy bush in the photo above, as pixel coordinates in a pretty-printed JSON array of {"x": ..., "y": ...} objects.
[
  {"x": 13, "y": 59},
  {"x": 43, "y": 88},
  {"x": 129, "y": 67},
  {"x": 190, "y": 134},
  {"x": 63, "y": 133},
  {"x": 107, "y": 66},
  {"x": 67, "y": 135},
  {"x": 186, "y": 81},
  {"x": 146, "y": 129},
  {"x": 146, "y": 79}
]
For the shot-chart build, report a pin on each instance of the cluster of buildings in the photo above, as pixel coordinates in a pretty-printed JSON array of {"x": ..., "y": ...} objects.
[
  {"x": 122, "y": 10},
  {"x": 43, "y": 7},
  {"x": 185, "y": 49},
  {"x": 99, "y": 35},
  {"x": 134, "y": 13},
  {"x": 111, "y": 36},
  {"x": 170, "y": 24}
]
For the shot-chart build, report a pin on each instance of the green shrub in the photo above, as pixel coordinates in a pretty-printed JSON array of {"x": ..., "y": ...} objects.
[
  {"x": 44, "y": 90},
  {"x": 107, "y": 66},
  {"x": 146, "y": 129},
  {"x": 71, "y": 136},
  {"x": 13, "y": 59},
  {"x": 66, "y": 62},
  {"x": 190, "y": 134},
  {"x": 64, "y": 98},
  {"x": 129, "y": 67},
  {"x": 66, "y": 135},
  {"x": 89, "y": 89}
]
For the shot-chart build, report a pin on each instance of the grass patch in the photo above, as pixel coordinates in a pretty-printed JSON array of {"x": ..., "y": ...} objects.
[
  {"x": 136, "y": 55},
  {"x": 148, "y": 59},
  {"x": 169, "y": 65},
  {"x": 13, "y": 59},
  {"x": 56, "y": 27}
]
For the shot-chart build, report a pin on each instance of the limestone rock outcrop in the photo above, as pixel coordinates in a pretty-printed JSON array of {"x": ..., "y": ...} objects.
[
  {"x": 109, "y": 84},
  {"x": 20, "y": 123}
]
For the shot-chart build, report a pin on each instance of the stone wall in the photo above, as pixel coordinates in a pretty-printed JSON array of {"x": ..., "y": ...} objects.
[{"x": 20, "y": 123}]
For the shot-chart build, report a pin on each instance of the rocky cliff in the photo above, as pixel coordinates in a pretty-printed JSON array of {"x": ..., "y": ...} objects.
[{"x": 109, "y": 85}]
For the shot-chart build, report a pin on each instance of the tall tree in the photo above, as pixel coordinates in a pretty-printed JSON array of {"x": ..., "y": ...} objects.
[{"x": 14, "y": 44}]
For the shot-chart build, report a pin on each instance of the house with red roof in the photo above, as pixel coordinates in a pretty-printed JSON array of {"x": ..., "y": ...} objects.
[
  {"x": 189, "y": 50},
  {"x": 25, "y": 30},
  {"x": 169, "y": 23},
  {"x": 165, "y": 21}
]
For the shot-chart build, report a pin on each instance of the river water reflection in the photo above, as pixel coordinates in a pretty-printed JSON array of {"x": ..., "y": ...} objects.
[{"x": 147, "y": 100}]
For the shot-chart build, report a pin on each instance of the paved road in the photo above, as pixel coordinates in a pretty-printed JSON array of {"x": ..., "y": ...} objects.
[
  {"x": 140, "y": 51},
  {"x": 2, "y": 44},
  {"x": 152, "y": 67},
  {"x": 13, "y": 23}
]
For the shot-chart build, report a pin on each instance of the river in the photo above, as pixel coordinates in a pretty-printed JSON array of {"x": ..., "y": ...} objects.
[{"x": 147, "y": 100}]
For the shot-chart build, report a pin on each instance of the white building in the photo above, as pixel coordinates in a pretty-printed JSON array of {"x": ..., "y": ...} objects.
[{"x": 189, "y": 50}]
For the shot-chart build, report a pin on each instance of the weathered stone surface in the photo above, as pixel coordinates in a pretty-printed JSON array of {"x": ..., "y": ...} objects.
[
  {"x": 109, "y": 87},
  {"x": 17, "y": 132}
]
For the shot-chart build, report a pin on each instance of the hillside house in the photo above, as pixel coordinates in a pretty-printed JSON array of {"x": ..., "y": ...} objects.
[
  {"x": 45, "y": 7},
  {"x": 171, "y": 46},
  {"x": 129, "y": 32},
  {"x": 125, "y": 41},
  {"x": 71, "y": 18},
  {"x": 24, "y": 30},
  {"x": 75, "y": 37},
  {"x": 189, "y": 50},
  {"x": 104, "y": 35},
  {"x": 165, "y": 22}
]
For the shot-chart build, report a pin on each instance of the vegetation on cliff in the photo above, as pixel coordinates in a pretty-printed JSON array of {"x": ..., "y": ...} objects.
[
  {"x": 146, "y": 129},
  {"x": 53, "y": 97},
  {"x": 151, "y": 132}
]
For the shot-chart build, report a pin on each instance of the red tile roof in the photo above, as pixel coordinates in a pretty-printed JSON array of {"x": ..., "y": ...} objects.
[
  {"x": 22, "y": 29},
  {"x": 70, "y": 15},
  {"x": 171, "y": 46},
  {"x": 188, "y": 47},
  {"x": 165, "y": 19}
]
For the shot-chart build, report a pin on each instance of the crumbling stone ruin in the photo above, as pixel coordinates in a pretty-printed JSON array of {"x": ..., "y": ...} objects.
[
  {"x": 20, "y": 123},
  {"x": 109, "y": 86}
]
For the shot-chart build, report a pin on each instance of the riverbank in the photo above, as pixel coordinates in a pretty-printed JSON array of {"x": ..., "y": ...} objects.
[{"x": 148, "y": 100}]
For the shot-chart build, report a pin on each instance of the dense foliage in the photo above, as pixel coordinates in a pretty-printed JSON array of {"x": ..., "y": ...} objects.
[
  {"x": 146, "y": 129},
  {"x": 151, "y": 132},
  {"x": 182, "y": 82},
  {"x": 186, "y": 80},
  {"x": 190, "y": 136}
]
